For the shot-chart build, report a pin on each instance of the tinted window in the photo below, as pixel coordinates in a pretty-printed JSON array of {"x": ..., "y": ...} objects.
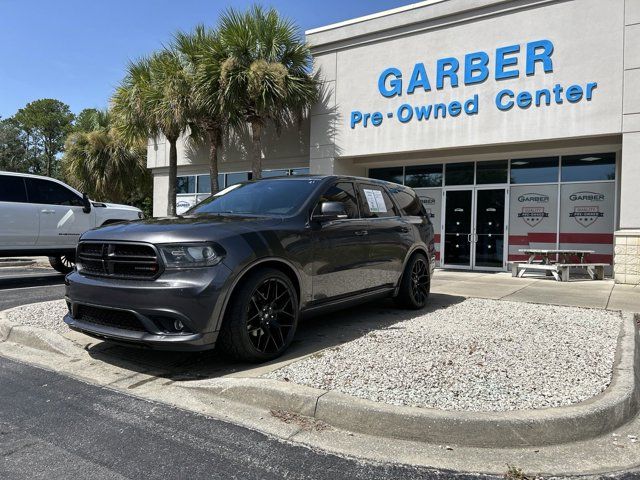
[
  {"x": 375, "y": 202},
  {"x": 408, "y": 202},
  {"x": 423, "y": 176},
  {"x": 584, "y": 168},
  {"x": 186, "y": 184},
  {"x": 535, "y": 170},
  {"x": 492, "y": 172},
  {"x": 392, "y": 174},
  {"x": 344, "y": 193},
  {"x": 12, "y": 189},
  {"x": 51, "y": 193},
  {"x": 266, "y": 197},
  {"x": 458, "y": 173}
]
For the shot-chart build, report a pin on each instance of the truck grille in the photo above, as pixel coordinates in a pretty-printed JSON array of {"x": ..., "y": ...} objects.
[
  {"x": 120, "y": 260},
  {"x": 109, "y": 318}
]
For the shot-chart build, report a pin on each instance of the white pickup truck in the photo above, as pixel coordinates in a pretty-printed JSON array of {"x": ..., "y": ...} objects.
[{"x": 43, "y": 216}]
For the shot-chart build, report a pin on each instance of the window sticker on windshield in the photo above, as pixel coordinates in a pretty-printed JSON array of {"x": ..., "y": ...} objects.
[{"x": 375, "y": 201}]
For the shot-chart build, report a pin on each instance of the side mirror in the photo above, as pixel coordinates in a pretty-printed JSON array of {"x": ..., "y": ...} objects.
[
  {"x": 87, "y": 203},
  {"x": 330, "y": 211}
]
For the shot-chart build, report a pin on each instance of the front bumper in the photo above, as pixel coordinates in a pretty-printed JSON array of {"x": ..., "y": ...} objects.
[{"x": 144, "y": 313}]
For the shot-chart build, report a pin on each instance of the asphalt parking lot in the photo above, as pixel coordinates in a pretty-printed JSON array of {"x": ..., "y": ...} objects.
[{"x": 23, "y": 285}]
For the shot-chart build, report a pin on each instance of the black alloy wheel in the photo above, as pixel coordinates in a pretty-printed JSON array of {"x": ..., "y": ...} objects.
[
  {"x": 262, "y": 317},
  {"x": 415, "y": 283},
  {"x": 270, "y": 316},
  {"x": 420, "y": 281}
]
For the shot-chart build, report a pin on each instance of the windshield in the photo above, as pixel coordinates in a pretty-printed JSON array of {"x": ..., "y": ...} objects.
[{"x": 265, "y": 197}]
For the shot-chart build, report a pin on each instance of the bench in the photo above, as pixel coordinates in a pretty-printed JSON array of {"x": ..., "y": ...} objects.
[{"x": 560, "y": 271}]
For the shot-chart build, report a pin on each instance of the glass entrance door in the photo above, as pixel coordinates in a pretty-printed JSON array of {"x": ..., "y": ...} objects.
[
  {"x": 489, "y": 229},
  {"x": 458, "y": 228},
  {"x": 474, "y": 228}
]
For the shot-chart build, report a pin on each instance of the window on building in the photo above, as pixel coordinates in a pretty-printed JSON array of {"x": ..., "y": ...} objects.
[
  {"x": 238, "y": 177},
  {"x": 204, "y": 183},
  {"x": 535, "y": 170},
  {"x": 299, "y": 171},
  {"x": 274, "y": 173},
  {"x": 585, "y": 168},
  {"x": 391, "y": 174},
  {"x": 492, "y": 172},
  {"x": 423, "y": 176},
  {"x": 186, "y": 184},
  {"x": 458, "y": 173}
]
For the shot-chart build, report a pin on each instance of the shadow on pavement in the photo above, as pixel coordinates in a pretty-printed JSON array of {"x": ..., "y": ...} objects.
[{"x": 314, "y": 334}]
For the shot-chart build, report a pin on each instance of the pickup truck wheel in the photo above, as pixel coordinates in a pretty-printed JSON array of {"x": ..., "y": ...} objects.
[
  {"x": 415, "y": 284},
  {"x": 62, "y": 263},
  {"x": 262, "y": 317}
]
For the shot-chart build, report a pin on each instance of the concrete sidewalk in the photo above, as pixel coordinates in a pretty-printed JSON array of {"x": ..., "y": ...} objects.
[{"x": 537, "y": 289}]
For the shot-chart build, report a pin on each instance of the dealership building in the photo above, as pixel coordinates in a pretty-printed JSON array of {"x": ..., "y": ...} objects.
[{"x": 517, "y": 122}]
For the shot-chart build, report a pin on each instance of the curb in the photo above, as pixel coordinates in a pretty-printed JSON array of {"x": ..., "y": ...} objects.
[
  {"x": 34, "y": 337},
  {"x": 593, "y": 417}
]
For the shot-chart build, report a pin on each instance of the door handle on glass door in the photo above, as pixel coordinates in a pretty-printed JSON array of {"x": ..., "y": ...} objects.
[{"x": 469, "y": 238}]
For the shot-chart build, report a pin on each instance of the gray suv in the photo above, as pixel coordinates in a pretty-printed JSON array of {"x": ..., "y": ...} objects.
[{"x": 240, "y": 269}]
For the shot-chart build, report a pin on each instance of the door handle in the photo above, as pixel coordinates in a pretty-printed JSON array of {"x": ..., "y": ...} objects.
[
  {"x": 469, "y": 237},
  {"x": 48, "y": 211},
  {"x": 362, "y": 233}
]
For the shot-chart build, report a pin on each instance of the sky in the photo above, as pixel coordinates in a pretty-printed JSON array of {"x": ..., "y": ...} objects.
[{"x": 77, "y": 50}]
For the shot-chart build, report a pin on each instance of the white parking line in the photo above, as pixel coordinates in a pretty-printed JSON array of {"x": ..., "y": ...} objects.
[{"x": 25, "y": 288}]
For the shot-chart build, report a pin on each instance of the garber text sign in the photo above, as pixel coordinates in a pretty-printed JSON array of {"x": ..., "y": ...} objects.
[{"x": 509, "y": 62}]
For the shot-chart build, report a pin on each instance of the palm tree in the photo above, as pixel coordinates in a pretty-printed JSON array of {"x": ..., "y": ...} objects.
[
  {"x": 154, "y": 99},
  {"x": 202, "y": 55},
  {"x": 101, "y": 163},
  {"x": 265, "y": 73}
]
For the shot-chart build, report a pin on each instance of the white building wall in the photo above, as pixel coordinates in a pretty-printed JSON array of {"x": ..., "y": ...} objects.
[{"x": 627, "y": 239}]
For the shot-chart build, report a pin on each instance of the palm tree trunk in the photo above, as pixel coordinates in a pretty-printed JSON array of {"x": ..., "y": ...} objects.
[
  {"x": 214, "y": 139},
  {"x": 173, "y": 174},
  {"x": 256, "y": 141}
]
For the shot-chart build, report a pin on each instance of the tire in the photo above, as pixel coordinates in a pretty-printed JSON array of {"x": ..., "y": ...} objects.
[
  {"x": 262, "y": 317},
  {"x": 62, "y": 263},
  {"x": 415, "y": 284}
]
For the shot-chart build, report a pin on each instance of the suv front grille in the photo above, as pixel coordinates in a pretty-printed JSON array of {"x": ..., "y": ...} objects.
[
  {"x": 109, "y": 318},
  {"x": 121, "y": 260}
]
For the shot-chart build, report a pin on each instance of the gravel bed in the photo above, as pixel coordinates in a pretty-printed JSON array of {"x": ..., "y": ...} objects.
[
  {"x": 477, "y": 355},
  {"x": 46, "y": 315}
]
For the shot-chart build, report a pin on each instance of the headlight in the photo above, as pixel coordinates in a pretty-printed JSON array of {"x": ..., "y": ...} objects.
[{"x": 190, "y": 255}]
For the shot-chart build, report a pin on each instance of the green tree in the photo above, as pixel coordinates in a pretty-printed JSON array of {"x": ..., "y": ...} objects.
[
  {"x": 91, "y": 119},
  {"x": 154, "y": 99},
  {"x": 265, "y": 72},
  {"x": 46, "y": 122},
  {"x": 12, "y": 147},
  {"x": 100, "y": 162},
  {"x": 202, "y": 55}
]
